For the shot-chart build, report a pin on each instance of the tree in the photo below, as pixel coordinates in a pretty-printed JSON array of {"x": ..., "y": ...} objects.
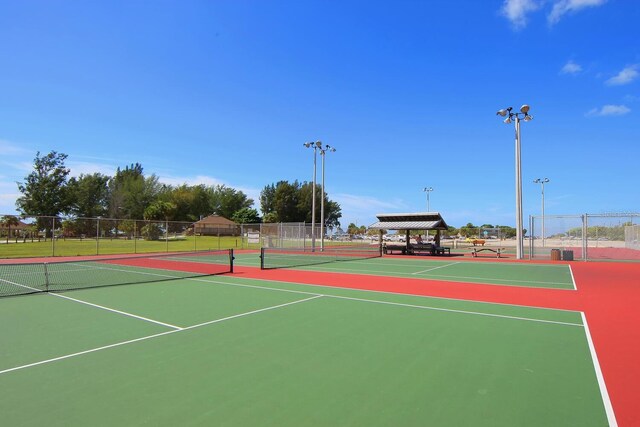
[
  {"x": 353, "y": 229},
  {"x": 88, "y": 198},
  {"x": 7, "y": 222},
  {"x": 89, "y": 195},
  {"x": 226, "y": 201},
  {"x": 44, "y": 192},
  {"x": 159, "y": 210},
  {"x": 131, "y": 192},
  {"x": 291, "y": 202},
  {"x": 332, "y": 214},
  {"x": 267, "y": 202},
  {"x": 246, "y": 216},
  {"x": 191, "y": 203}
]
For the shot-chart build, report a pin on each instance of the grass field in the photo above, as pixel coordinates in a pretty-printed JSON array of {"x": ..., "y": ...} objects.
[
  {"x": 353, "y": 343},
  {"x": 77, "y": 247}
]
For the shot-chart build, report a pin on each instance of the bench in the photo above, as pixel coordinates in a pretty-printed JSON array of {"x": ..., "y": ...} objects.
[
  {"x": 415, "y": 248},
  {"x": 388, "y": 249},
  {"x": 497, "y": 251},
  {"x": 440, "y": 250}
]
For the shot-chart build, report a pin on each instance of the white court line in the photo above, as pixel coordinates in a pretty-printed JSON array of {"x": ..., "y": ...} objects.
[
  {"x": 93, "y": 350},
  {"x": 476, "y": 313},
  {"x": 435, "y": 268},
  {"x": 446, "y": 278},
  {"x": 450, "y": 310},
  {"x": 573, "y": 280},
  {"x": 608, "y": 407},
  {"x": 113, "y": 310}
]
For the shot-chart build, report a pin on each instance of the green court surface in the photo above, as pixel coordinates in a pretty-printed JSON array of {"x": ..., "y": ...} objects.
[
  {"x": 228, "y": 351},
  {"x": 447, "y": 269}
]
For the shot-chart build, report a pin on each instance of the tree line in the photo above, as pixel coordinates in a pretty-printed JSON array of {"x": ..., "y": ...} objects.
[{"x": 131, "y": 194}]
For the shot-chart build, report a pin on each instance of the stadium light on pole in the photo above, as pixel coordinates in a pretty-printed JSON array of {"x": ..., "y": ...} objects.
[
  {"x": 513, "y": 117},
  {"x": 428, "y": 190},
  {"x": 316, "y": 146},
  {"x": 542, "y": 182},
  {"x": 323, "y": 151}
]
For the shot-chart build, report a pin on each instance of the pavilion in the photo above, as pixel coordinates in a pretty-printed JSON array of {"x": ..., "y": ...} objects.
[{"x": 410, "y": 221}]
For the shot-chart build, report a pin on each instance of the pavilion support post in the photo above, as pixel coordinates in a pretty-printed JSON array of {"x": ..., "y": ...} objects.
[{"x": 408, "y": 237}]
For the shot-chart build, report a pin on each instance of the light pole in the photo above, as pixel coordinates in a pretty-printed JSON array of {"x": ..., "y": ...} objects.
[
  {"x": 316, "y": 146},
  {"x": 542, "y": 182},
  {"x": 323, "y": 151},
  {"x": 428, "y": 190},
  {"x": 515, "y": 117}
]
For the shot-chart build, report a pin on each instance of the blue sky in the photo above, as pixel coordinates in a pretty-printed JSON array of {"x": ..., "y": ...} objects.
[{"x": 227, "y": 92}]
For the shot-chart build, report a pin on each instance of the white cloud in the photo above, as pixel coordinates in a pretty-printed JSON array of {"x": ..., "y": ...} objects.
[
  {"x": 609, "y": 110},
  {"x": 627, "y": 75},
  {"x": 571, "y": 68},
  {"x": 563, "y": 7},
  {"x": 190, "y": 180},
  {"x": 9, "y": 148},
  {"x": 8, "y": 195},
  {"x": 362, "y": 210},
  {"x": 88, "y": 168},
  {"x": 516, "y": 11}
]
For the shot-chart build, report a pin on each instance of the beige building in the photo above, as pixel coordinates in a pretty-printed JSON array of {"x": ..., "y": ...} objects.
[{"x": 215, "y": 225}]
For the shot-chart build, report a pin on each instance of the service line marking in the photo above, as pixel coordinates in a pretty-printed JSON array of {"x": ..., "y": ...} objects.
[{"x": 119, "y": 344}]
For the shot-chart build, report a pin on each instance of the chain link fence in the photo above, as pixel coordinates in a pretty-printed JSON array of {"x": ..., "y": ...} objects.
[
  {"x": 44, "y": 236},
  {"x": 586, "y": 237}
]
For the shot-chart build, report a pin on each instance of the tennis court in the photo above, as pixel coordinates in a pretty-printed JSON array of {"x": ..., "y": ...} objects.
[{"x": 265, "y": 348}]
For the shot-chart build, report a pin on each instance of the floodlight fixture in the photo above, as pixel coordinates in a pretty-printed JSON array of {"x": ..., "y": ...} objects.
[
  {"x": 428, "y": 190},
  {"x": 323, "y": 151},
  {"x": 514, "y": 117},
  {"x": 316, "y": 146},
  {"x": 542, "y": 182}
]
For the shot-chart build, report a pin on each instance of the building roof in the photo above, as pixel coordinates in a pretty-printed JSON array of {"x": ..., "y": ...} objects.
[
  {"x": 215, "y": 220},
  {"x": 410, "y": 221}
]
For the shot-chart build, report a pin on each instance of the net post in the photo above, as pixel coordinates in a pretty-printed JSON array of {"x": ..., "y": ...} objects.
[
  {"x": 261, "y": 258},
  {"x": 231, "y": 258},
  {"x": 46, "y": 277}
]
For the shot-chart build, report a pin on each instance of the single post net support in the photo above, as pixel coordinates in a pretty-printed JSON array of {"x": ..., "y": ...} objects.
[
  {"x": 271, "y": 258},
  {"x": 20, "y": 279}
]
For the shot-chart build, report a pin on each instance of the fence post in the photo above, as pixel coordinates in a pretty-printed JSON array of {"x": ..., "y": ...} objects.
[
  {"x": 46, "y": 278},
  {"x": 98, "y": 236},
  {"x": 53, "y": 240},
  {"x": 531, "y": 245},
  {"x": 585, "y": 244}
]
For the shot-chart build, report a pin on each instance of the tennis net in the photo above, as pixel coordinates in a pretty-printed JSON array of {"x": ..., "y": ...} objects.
[
  {"x": 271, "y": 258},
  {"x": 27, "y": 278}
]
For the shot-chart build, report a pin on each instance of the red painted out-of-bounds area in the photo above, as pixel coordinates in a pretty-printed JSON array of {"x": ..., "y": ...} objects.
[{"x": 608, "y": 294}]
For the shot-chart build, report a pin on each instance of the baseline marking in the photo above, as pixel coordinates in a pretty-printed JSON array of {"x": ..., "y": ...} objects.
[{"x": 608, "y": 407}]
